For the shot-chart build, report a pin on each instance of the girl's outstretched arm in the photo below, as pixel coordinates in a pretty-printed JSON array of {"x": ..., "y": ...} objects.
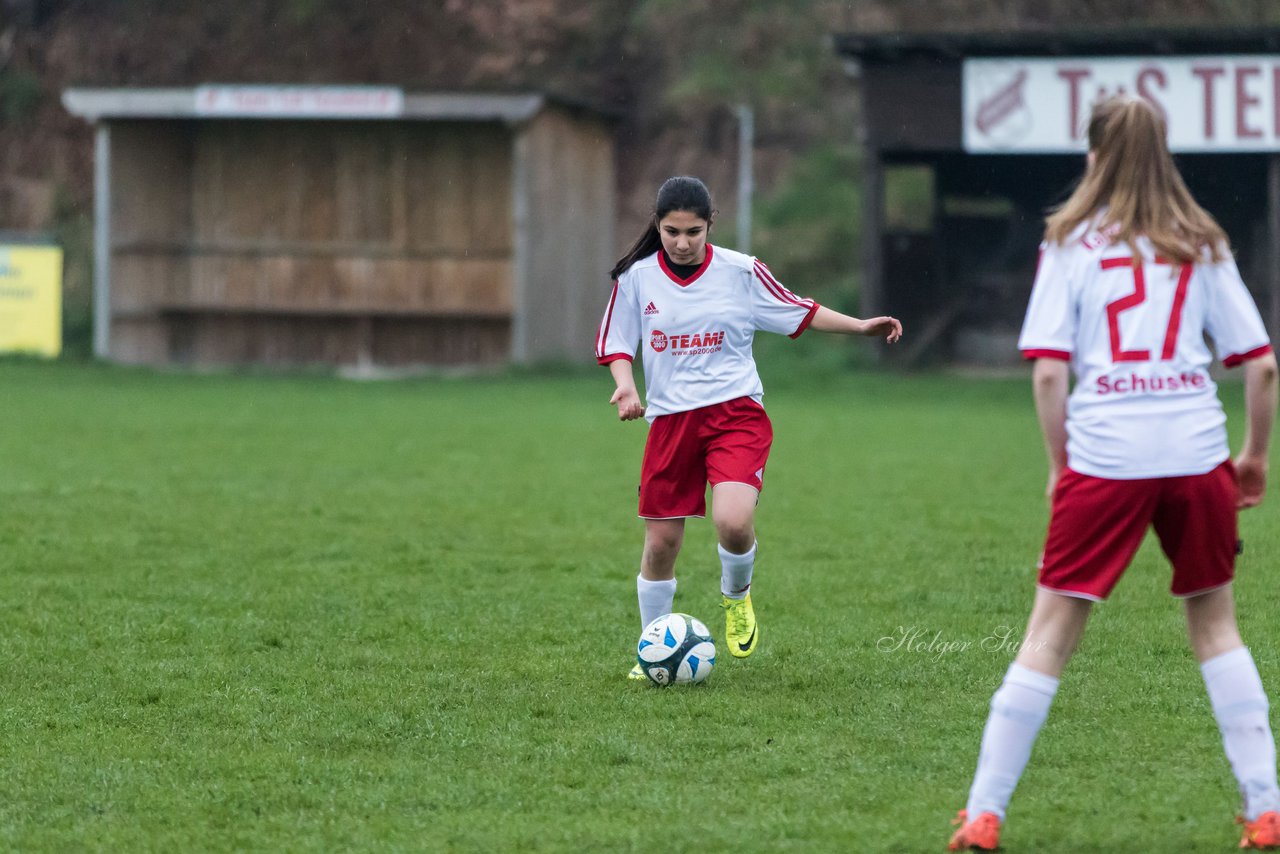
[{"x": 827, "y": 320}]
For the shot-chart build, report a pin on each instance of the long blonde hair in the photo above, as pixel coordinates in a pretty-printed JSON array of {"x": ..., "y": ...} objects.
[{"x": 1134, "y": 178}]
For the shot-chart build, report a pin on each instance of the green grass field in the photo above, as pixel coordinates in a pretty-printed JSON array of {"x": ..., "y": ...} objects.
[{"x": 272, "y": 613}]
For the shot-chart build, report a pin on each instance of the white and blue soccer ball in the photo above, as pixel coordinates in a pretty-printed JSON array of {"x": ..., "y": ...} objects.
[{"x": 676, "y": 649}]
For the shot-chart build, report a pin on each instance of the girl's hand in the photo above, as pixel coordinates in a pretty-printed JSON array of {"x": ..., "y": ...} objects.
[
  {"x": 1054, "y": 473},
  {"x": 889, "y": 327},
  {"x": 1251, "y": 472},
  {"x": 628, "y": 402}
]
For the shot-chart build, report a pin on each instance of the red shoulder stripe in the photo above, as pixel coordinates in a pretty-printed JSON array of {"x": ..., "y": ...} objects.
[{"x": 603, "y": 335}]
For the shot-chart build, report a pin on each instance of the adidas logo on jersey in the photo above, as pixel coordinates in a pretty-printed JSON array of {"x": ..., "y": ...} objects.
[{"x": 650, "y": 309}]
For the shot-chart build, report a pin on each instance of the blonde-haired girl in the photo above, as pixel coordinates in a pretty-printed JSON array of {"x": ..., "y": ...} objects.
[{"x": 1133, "y": 274}]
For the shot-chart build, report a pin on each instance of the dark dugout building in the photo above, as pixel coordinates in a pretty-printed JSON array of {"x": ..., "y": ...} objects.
[{"x": 969, "y": 139}]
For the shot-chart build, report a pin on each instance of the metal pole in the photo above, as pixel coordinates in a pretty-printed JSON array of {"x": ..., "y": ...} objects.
[
  {"x": 102, "y": 241},
  {"x": 746, "y": 185},
  {"x": 522, "y": 304}
]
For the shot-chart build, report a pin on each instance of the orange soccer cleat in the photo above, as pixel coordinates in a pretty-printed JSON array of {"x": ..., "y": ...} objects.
[
  {"x": 981, "y": 834},
  {"x": 1262, "y": 834}
]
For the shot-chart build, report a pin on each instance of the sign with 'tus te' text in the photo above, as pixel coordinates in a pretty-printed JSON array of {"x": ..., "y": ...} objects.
[{"x": 1036, "y": 105}]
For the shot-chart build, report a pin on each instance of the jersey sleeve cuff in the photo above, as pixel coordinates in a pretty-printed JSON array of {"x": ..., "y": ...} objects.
[
  {"x": 1240, "y": 358},
  {"x": 1045, "y": 353},
  {"x": 613, "y": 357},
  {"x": 804, "y": 324}
]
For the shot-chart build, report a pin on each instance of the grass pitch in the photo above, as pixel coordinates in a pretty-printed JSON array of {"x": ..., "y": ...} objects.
[{"x": 295, "y": 613}]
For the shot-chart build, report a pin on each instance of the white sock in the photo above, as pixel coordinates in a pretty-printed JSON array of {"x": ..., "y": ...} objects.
[
  {"x": 1018, "y": 710},
  {"x": 655, "y": 598},
  {"x": 1240, "y": 705},
  {"x": 735, "y": 572}
]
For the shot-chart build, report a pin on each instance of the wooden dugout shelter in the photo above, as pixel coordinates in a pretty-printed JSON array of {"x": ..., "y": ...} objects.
[
  {"x": 970, "y": 138},
  {"x": 346, "y": 226}
]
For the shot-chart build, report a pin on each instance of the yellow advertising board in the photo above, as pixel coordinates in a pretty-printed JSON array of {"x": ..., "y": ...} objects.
[{"x": 30, "y": 299}]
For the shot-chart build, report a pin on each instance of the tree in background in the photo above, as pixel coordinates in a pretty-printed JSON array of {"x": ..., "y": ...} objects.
[
  {"x": 775, "y": 57},
  {"x": 673, "y": 69}
]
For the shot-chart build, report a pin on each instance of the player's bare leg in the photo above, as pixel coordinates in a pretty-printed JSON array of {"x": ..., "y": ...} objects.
[
  {"x": 1053, "y": 631},
  {"x": 1211, "y": 623},
  {"x": 662, "y": 541},
  {"x": 733, "y": 508}
]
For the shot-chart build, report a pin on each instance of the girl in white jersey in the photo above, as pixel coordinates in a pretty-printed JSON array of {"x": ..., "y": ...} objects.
[
  {"x": 1133, "y": 274},
  {"x": 692, "y": 309}
]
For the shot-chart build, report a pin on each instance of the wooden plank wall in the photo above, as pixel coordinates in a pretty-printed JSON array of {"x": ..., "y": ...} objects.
[
  {"x": 150, "y": 175},
  {"x": 352, "y": 216},
  {"x": 327, "y": 242},
  {"x": 571, "y": 235}
]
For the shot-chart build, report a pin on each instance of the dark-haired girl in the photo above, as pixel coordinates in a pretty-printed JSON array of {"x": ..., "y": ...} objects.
[{"x": 693, "y": 309}]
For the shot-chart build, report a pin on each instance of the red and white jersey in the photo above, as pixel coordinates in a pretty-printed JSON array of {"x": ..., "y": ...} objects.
[
  {"x": 696, "y": 335},
  {"x": 1144, "y": 404}
]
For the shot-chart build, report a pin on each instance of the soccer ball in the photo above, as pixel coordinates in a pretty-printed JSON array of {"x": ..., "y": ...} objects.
[{"x": 676, "y": 648}]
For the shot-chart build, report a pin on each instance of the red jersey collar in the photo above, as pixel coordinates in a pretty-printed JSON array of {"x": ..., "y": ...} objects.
[{"x": 684, "y": 283}]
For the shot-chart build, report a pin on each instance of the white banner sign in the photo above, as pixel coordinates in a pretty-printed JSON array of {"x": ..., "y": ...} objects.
[
  {"x": 1211, "y": 103},
  {"x": 308, "y": 102}
]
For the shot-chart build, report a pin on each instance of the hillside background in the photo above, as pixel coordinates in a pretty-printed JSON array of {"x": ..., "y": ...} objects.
[{"x": 672, "y": 69}]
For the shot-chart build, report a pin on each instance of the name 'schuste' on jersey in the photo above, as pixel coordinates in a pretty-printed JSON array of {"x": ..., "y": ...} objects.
[
  {"x": 695, "y": 335},
  {"x": 1144, "y": 404}
]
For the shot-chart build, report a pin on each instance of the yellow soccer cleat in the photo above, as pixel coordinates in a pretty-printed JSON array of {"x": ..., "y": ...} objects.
[
  {"x": 740, "y": 630},
  {"x": 637, "y": 675}
]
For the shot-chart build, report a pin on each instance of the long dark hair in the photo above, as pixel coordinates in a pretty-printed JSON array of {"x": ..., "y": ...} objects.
[{"x": 681, "y": 193}]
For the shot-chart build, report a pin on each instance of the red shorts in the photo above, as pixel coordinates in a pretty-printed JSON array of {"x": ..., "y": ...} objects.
[
  {"x": 721, "y": 443},
  {"x": 1097, "y": 525}
]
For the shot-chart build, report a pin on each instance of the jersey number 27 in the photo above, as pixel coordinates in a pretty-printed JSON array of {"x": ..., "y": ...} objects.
[{"x": 1139, "y": 295}]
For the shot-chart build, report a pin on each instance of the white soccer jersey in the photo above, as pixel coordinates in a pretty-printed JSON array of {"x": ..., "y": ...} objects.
[
  {"x": 696, "y": 335},
  {"x": 1144, "y": 404}
]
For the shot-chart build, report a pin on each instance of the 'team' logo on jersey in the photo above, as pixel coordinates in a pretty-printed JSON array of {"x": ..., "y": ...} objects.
[{"x": 697, "y": 344}]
